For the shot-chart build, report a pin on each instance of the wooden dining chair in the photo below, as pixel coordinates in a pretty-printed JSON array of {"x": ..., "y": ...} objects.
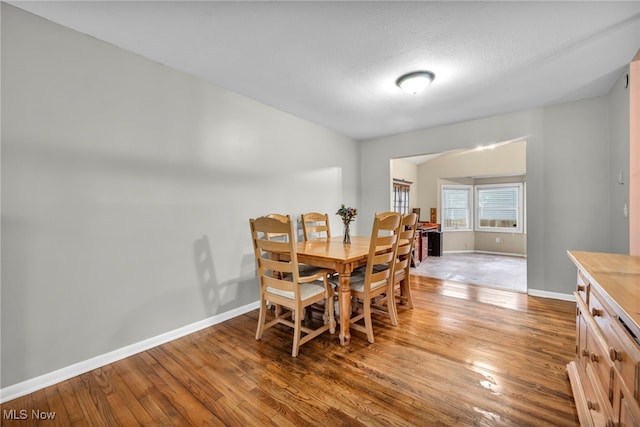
[
  {"x": 376, "y": 277},
  {"x": 315, "y": 225},
  {"x": 401, "y": 271},
  {"x": 281, "y": 282},
  {"x": 306, "y": 270}
]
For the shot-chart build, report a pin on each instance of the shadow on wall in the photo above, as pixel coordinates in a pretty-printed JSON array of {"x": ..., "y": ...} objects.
[
  {"x": 14, "y": 312},
  {"x": 220, "y": 297}
]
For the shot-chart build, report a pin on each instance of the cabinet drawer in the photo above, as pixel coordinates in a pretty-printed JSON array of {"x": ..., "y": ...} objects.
[
  {"x": 598, "y": 310},
  {"x": 582, "y": 288}
]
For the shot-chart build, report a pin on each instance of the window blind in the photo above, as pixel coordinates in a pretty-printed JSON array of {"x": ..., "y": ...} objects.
[
  {"x": 455, "y": 207},
  {"x": 498, "y": 204}
]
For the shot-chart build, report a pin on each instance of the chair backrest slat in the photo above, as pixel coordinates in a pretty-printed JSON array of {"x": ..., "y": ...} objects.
[
  {"x": 273, "y": 245},
  {"x": 314, "y": 223},
  {"x": 407, "y": 236},
  {"x": 383, "y": 248},
  {"x": 275, "y": 265},
  {"x": 278, "y": 234},
  {"x": 277, "y": 260}
]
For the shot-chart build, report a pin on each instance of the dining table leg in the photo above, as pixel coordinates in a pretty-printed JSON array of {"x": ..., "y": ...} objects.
[{"x": 344, "y": 299}]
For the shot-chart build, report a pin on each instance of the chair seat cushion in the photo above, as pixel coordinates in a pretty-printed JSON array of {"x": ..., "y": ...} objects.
[
  {"x": 357, "y": 282},
  {"x": 308, "y": 270},
  {"x": 378, "y": 268},
  {"x": 307, "y": 290}
]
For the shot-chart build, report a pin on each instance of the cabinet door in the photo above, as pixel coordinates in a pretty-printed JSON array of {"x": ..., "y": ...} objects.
[
  {"x": 629, "y": 416},
  {"x": 597, "y": 402},
  {"x": 625, "y": 354},
  {"x": 417, "y": 249},
  {"x": 582, "y": 353},
  {"x": 425, "y": 245},
  {"x": 599, "y": 361}
]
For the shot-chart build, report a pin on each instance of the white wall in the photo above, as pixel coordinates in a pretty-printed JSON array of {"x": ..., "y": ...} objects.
[
  {"x": 572, "y": 210},
  {"x": 567, "y": 179},
  {"x": 118, "y": 176}
]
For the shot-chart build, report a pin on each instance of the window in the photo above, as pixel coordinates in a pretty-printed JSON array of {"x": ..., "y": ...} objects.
[
  {"x": 499, "y": 207},
  {"x": 456, "y": 207},
  {"x": 401, "y": 196}
]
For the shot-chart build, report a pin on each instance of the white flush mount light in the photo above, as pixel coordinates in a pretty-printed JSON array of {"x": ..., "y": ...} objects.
[{"x": 416, "y": 82}]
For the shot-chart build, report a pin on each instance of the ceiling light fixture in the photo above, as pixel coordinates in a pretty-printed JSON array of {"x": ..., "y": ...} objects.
[{"x": 415, "y": 82}]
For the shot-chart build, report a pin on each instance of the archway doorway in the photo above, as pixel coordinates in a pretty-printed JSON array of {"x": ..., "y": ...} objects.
[{"x": 485, "y": 248}]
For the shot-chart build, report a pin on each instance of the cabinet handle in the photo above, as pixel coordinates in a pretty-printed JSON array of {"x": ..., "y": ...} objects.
[
  {"x": 611, "y": 379},
  {"x": 580, "y": 288},
  {"x": 615, "y": 354},
  {"x": 591, "y": 406},
  {"x": 594, "y": 358},
  {"x": 595, "y": 312},
  {"x": 636, "y": 382},
  {"x": 585, "y": 352}
]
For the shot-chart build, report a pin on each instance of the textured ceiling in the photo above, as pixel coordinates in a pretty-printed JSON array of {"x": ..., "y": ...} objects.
[{"x": 335, "y": 63}]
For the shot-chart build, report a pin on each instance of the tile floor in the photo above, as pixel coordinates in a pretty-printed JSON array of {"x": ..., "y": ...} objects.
[{"x": 498, "y": 271}]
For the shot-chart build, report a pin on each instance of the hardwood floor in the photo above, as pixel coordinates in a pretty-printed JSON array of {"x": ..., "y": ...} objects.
[{"x": 464, "y": 356}]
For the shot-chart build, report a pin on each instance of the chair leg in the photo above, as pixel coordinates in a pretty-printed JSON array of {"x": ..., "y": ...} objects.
[
  {"x": 329, "y": 314},
  {"x": 261, "y": 319},
  {"x": 391, "y": 307},
  {"x": 296, "y": 333},
  {"x": 306, "y": 316},
  {"x": 368, "y": 323},
  {"x": 405, "y": 290},
  {"x": 277, "y": 310}
]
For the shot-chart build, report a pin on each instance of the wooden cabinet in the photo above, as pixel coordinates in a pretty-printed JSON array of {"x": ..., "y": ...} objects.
[
  {"x": 435, "y": 243},
  {"x": 417, "y": 250},
  {"x": 425, "y": 244},
  {"x": 604, "y": 376}
]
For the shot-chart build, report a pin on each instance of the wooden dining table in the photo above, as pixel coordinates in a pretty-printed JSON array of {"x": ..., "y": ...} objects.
[{"x": 333, "y": 254}]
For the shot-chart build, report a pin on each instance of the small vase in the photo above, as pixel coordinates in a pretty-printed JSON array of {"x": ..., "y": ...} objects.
[{"x": 347, "y": 234}]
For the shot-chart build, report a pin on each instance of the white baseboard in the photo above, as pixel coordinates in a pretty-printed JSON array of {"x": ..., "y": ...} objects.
[
  {"x": 473, "y": 251},
  {"x": 552, "y": 295},
  {"x": 34, "y": 384},
  {"x": 502, "y": 253}
]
